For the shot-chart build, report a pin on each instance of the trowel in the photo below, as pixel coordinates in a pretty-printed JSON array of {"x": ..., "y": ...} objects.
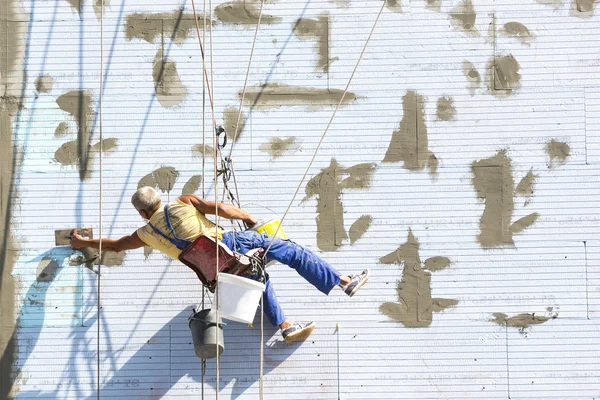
[{"x": 62, "y": 237}]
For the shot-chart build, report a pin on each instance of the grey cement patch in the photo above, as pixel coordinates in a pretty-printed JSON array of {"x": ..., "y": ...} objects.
[
  {"x": 192, "y": 185},
  {"x": 46, "y": 270},
  {"x": 99, "y": 5},
  {"x": 318, "y": 30},
  {"x": 273, "y": 95},
  {"x": 415, "y": 306},
  {"x": 434, "y": 5},
  {"x": 198, "y": 150},
  {"x": 78, "y": 103},
  {"x": 359, "y": 228},
  {"x": 583, "y": 8},
  {"x": 394, "y": 5},
  {"x": 170, "y": 91},
  {"x": 557, "y": 152},
  {"x": 230, "y": 122},
  {"x": 242, "y": 13},
  {"x": 277, "y": 147},
  {"x": 472, "y": 76},
  {"x": 463, "y": 18},
  {"x": 327, "y": 187},
  {"x": 43, "y": 83},
  {"x": 518, "y": 31},
  {"x": 61, "y": 130},
  {"x": 155, "y": 27},
  {"x": 162, "y": 178},
  {"x": 503, "y": 75},
  {"x": 494, "y": 184},
  {"x": 409, "y": 142},
  {"x": 445, "y": 109}
]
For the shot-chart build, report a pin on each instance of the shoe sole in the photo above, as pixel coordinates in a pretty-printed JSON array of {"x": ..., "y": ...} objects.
[
  {"x": 302, "y": 334},
  {"x": 361, "y": 285}
]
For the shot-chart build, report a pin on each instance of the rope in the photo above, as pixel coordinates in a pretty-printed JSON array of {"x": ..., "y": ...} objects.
[
  {"x": 98, "y": 308},
  {"x": 261, "y": 388},
  {"x": 327, "y": 128},
  {"x": 237, "y": 123}
]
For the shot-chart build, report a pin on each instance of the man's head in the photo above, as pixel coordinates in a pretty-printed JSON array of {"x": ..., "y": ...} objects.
[{"x": 146, "y": 201}]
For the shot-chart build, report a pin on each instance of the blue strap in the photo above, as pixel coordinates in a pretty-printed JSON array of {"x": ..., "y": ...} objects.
[{"x": 176, "y": 241}]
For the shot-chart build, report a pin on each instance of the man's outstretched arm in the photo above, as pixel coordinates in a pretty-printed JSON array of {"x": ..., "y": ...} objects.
[
  {"x": 225, "y": 210},
  {"x": 125, "y": 243}
]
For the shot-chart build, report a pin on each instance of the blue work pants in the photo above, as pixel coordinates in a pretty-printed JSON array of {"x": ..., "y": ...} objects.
[{"x": 310, "y": 266}]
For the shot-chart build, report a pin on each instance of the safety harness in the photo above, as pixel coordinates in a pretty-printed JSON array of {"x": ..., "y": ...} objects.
[{"x": 200, "y": 256}]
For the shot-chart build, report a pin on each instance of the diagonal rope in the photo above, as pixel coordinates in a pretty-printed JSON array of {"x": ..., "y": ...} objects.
[
  {"x": 99, "y": 308},
  {"x": 237, "y": 123},
  {"x": 327, "y": 128}
]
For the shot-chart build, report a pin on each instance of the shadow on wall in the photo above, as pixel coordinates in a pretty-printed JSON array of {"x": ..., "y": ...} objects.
[
  {"x": 54, "y": 299},
  {"x": 167, "y": 362}
]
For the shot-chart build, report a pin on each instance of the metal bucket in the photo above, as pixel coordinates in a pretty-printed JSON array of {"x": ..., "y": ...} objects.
[
  {"x": 269, "y": 227},
  {"x": 205, "y": 332}
]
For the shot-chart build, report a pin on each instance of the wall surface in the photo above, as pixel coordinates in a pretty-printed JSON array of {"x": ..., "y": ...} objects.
[{"x": 462, "y": 168}]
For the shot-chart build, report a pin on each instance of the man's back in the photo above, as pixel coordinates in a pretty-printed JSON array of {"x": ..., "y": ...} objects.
[{"x": 186, "y": 220}]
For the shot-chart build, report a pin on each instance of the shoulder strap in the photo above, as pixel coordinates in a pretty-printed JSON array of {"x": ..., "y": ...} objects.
[{"x": 176, "y": 241}]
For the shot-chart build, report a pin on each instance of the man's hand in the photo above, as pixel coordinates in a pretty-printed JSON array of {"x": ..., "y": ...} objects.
[{"x": 78, "y": 241}]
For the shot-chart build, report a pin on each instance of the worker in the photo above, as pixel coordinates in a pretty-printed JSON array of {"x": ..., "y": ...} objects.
[{"x": 187, "y": 215}]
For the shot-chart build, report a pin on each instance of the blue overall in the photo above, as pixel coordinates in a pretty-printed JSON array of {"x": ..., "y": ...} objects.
[{"x": 310, "y": 266}]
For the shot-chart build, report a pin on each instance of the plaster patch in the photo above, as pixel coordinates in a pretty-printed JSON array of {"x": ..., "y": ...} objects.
[
  {"x": 493, "y": 182},
  {"x": 434, "y": 5},
  {"x": 409, "y": 142},
  {"x": 394, "y": 5},
  {"x": 46, "y": 270},
  {"x": 518, "y": 31},
  {"x": 359, "y": 228},
  {"x": 316, "y": 29},
  {"x": 230, "y": 121},
  {"x": 415, "y": 306},
  {"x": 463, "y": 18},
  {"x": 274, "y": 95},
  {"x": 76, "y": 5},
  {"x": 277, "y": 147},
  {"x": 525, "y": 187},
  {"x": 69, "y": 154},
  {"x": 558, "y": 152},
  {"x": 521, "y": 321},
  {"x": 241, "y": 13},
  {"x": 61, "y": 130},
  {"x": 191, "y": 185},
  {"x": 170, "y": 91},
  {"x": 583, "y": 8},
  {"x": 98, "y": 7},
  {"x": 445, "y": 109},
  {"x": 503, "y": 75},
  {"x": 153, "y": 27},
  {"x": 163, "y": 178},
  {"x": 472, "y": 76},
  {"x": 553, "y": 3},
  {"x": 327, "y": 187},
  {"x": 43, "y": 83},
  {"x": 78, "y": 103},
  {"x": 203, "y": 151}
]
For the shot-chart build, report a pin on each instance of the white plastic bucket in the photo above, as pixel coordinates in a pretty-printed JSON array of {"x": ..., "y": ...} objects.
[{"x": 238, "y": 297}]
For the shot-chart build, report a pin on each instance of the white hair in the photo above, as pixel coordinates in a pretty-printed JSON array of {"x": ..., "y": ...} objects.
[{"x": 145, "y": 199}]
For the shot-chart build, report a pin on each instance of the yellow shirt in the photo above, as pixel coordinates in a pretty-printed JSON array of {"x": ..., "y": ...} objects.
[{"x": 187, "y": 221}]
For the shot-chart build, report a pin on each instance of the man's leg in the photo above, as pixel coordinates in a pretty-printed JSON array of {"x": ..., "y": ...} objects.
[{"x": 271, "y": 306}]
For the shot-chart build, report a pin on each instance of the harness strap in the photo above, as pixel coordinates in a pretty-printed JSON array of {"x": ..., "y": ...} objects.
[{"x": 175, "y": 241}]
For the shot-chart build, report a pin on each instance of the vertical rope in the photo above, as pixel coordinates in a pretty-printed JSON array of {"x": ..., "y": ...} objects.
[
  {"x": 98, "y": 307},
  {"x": 261, "y": 388}
]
